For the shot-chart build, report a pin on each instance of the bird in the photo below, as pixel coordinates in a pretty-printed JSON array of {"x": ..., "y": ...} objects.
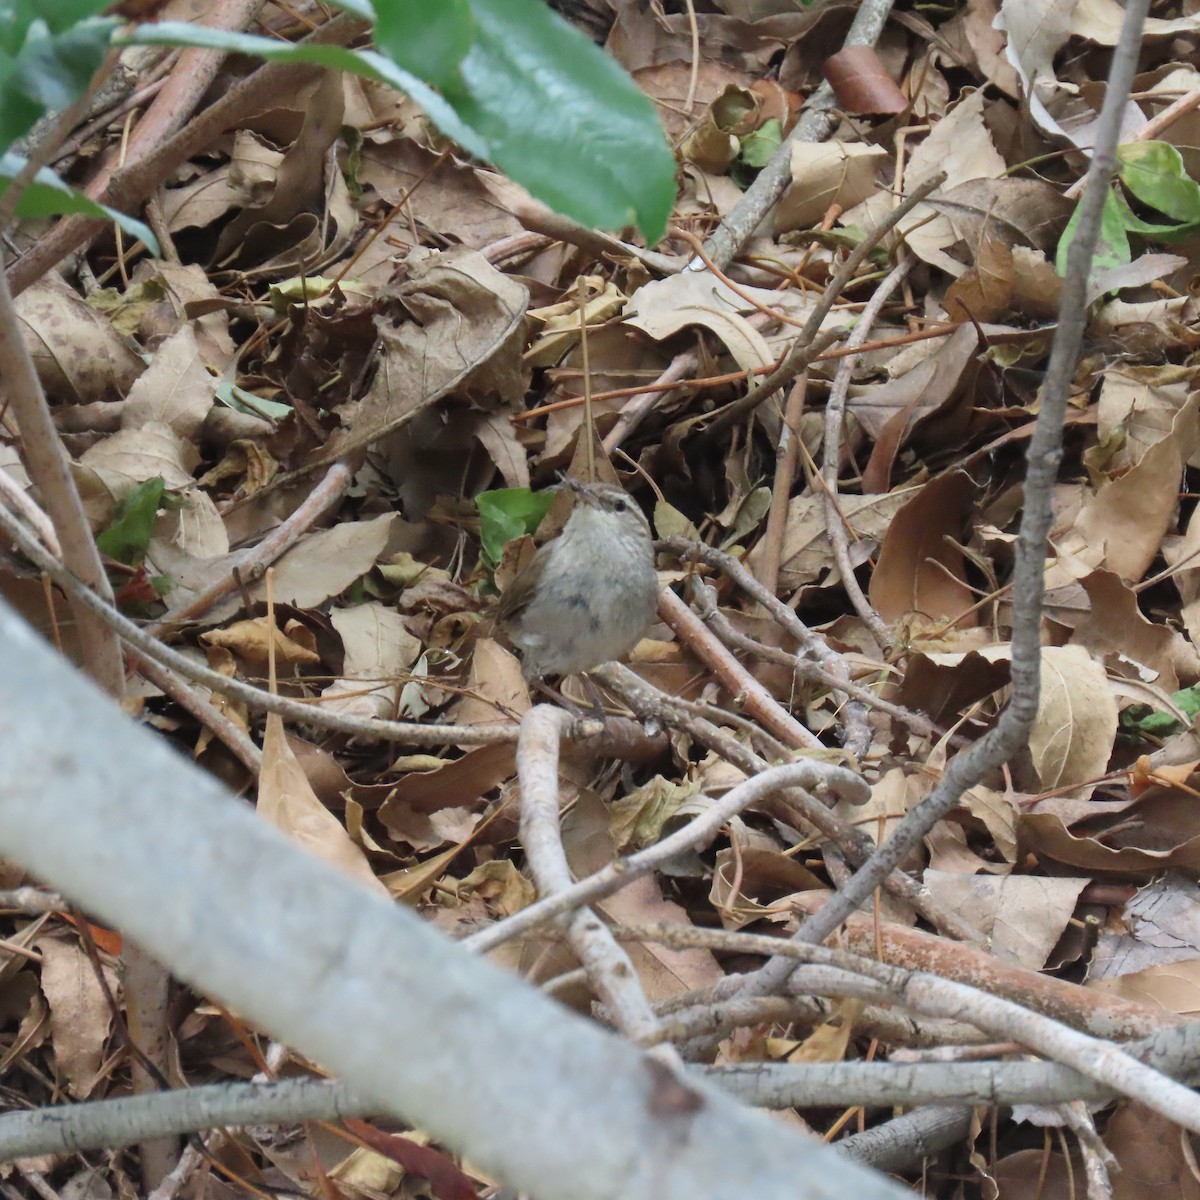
[{"x": 588, "y": 596}]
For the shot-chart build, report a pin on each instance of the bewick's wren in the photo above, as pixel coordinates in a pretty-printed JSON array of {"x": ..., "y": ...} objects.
[{"x": 588, "y": 596}]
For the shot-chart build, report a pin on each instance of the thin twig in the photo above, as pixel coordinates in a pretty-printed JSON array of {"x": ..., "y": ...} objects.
[
  {"x": 611, "y": 974},
  {"x": 795, "y": 807},
  {"x": 1096, "y": 1058},
  {"x": 704, "y": 598},
  {"x": 251, "y": 564},
  {"x": 835, "y": 409},
  {"x": 787, "y": 455},
  {"x": 747, "y": 692},
  {"x": 857, "y": 732}
]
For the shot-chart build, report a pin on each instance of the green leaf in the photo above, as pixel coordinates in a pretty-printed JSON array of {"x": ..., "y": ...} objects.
[
  {"x": 46, "y": 66},
  {"x": 430, "y": 38},
  {"x": 564, "y": 120},
  {"x": 17, "y": 16},
  {"x": 1155, "y": 173},
  {"x": 758, "y": 146},
  {"x": 56, "y": 68},
  {"x": 128, "y": 536},
  {"x": 1140, "y": 721},
  {"x": 532, "y": 95},
  {"x": 49, "y": 196},
  {"x": 1112, "y": 248},
  {"x": 367, "y": 63},
  {"x": 1135, "y": 224},
  {"x": 242, "y": 401},
  {"x": 1188, "y": 701},
  {"x": 357, "y": 8},
  {"x": 507, "y": 513}
]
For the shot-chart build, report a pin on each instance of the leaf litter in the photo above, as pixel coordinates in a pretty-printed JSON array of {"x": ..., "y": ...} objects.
[{"x": 343, "y": 285}]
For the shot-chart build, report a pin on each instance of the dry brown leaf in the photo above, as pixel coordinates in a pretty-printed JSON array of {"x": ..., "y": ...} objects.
[
  {"x": 287, "y": 801},
  {"x": 1072, "y": 736},
  {"x": 920, "y": 574},
  {"x": 862, "y": 84},
  {"x": 455, "y": 315},
  {"x": 823, "y": 174},
  {"x": 79, "y": 356},
  {"x": 1153, "y": 1160},
  {"x": 80, "y": 1018},
  {"x": 377, "y": 649},
  {"x": 807, "y": 554},
  {"x": 252, "y": 642},
  {"x": 1022, "y": 915},
  {"x": 458, "y": 784},
  {"x": 1129, "y": 515}
]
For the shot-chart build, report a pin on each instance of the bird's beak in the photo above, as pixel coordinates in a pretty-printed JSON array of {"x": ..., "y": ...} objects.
[{"x": 582, "y": 491}]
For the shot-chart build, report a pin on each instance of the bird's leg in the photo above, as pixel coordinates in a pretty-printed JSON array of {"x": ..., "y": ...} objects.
[
  {"x": 556, "y": 696},
  {"x": 594, "y": 695}
]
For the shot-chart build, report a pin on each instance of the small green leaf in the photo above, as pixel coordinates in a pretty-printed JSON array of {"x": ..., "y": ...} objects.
[
  {"x": 507, "y": 513},
  {"x": 1188, "y": 701},
  {"x": 1112, "y": 248},
  {"x": 1155, "y": 173},
  {"x": 56, "y": 68},
  {"x": 1141, "y": 721},
  {"x": 1135, "y": 224},
  {"x": 758, "y": 146},
  {"x": 49, "y": 196},
  {"x": 357, "y": 8},
  {"x": 246, "y": 402},
  {"x": 128, "y": 536}
]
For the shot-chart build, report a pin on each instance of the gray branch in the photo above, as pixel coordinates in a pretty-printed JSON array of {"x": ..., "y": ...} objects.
[{"x": 543, "y": 1099}]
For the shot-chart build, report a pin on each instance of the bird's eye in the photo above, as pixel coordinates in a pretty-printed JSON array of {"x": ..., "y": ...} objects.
[{"x": 619, "y": 506}]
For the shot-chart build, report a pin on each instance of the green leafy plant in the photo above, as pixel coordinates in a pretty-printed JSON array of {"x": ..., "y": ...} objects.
[{"x": 48, "y": 57}]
